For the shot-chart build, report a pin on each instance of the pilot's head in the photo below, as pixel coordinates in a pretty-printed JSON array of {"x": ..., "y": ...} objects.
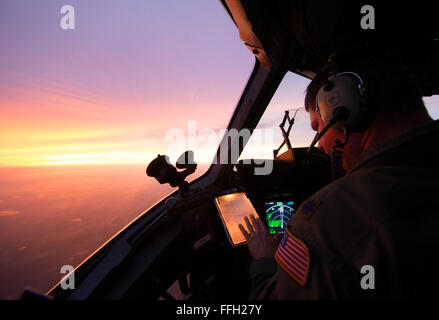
[{"x": 392, "y": 102}]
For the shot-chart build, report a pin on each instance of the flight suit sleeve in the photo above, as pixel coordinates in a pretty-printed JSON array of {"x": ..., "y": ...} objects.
[
  {"x": 307, "y": 268},
  {"x": 261, "y": 272}
]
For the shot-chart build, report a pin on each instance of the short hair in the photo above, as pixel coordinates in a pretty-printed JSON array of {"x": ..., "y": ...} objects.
[
  {"x": 389, "y": 87},
  {"x": 313, "y": 88}
]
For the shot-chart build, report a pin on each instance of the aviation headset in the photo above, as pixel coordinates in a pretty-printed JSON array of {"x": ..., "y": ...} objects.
[
  {"x": 341, "y": 104},
  {"x": 343, "y": 92}
]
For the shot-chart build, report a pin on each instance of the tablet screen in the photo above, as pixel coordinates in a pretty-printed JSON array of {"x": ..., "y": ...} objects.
[{"x": 233, "y": 208}]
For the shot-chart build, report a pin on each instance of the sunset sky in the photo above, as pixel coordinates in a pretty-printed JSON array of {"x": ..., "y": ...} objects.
[{"x": 108, "y": 91}]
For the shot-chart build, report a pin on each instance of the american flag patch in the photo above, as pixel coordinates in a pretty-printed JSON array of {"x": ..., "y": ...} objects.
[{"x": 293, "y": 256}]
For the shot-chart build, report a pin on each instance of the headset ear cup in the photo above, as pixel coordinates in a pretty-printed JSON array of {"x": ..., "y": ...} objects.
[{"x": 343, "y": 92}]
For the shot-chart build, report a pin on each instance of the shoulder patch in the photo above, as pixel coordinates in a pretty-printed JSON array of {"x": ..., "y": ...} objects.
[{"x": 293, "y": 256}]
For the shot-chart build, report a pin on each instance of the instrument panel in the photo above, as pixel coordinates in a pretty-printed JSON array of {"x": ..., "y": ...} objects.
[{"x": 277, "y": 214}]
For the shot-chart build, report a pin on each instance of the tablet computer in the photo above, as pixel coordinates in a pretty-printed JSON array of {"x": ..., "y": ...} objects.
[{"x": 233, "y": 208}]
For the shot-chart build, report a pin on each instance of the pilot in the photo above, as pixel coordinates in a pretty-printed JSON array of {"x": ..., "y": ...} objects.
[{"x": 373, "y": 232}]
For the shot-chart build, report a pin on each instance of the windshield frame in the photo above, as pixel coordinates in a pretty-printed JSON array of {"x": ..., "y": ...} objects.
[{"x": 253, "y": 102}]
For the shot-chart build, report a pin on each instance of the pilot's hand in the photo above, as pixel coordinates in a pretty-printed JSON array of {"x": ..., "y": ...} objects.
[{"x": 260, "y": 243}]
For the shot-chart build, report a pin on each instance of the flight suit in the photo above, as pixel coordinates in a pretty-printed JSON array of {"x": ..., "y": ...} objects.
[{"x": 384, "y": 214}]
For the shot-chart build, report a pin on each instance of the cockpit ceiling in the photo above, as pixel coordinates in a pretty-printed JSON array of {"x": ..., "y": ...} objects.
[{"x": 309, "y": 31}]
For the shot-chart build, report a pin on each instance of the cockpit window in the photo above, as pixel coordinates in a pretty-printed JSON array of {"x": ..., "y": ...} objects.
[
  {"x": 90, "y": 93},
  {"x": 432, "y": 105},
  {"x": 288, "y": 97},
  {"x": 267, "y": 137}
]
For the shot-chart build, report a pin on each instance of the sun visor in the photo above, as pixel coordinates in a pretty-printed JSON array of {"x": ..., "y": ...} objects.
[{"x": 246, "y": 33}]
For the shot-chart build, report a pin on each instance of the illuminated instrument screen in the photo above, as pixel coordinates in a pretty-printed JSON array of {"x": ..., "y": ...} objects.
[{"x": 277, "y": 214}]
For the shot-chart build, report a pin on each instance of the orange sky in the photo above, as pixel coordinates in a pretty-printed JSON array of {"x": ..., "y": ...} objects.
[{"x": 52, "y": 129}]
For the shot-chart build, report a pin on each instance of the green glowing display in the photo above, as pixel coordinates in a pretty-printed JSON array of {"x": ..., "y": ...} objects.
[{"x": 277, "y": 215}]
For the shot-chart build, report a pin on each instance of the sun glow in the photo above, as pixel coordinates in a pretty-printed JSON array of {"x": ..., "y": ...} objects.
[{"x": 48, "y": 134}]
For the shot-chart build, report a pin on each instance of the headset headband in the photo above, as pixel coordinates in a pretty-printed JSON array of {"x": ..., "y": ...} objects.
[{"x": 350, "y": 73}]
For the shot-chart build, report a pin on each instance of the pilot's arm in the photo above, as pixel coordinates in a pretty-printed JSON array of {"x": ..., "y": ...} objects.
[{"x": 299, "y": 267}]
